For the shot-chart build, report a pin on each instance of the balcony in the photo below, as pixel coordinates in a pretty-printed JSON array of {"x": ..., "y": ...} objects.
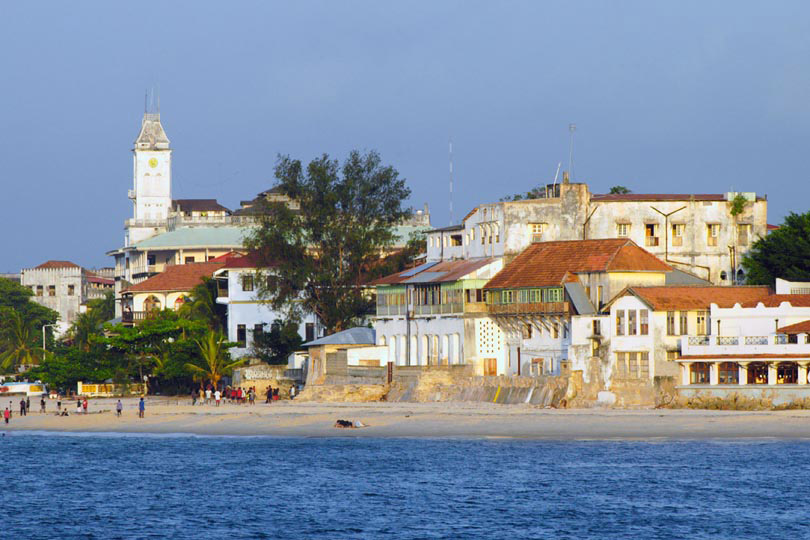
[
  {"x": 147, "y": 223},
  {"x": 651, "y": 241},
  {"x": 135, "y": 317},
  {"x": 742, "y": 345},
  {"x": 540, "y": 308}
]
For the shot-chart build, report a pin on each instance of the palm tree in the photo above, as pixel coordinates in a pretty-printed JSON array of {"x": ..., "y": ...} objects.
[
  {"x": 18, "y": 338},
  {"x": 203, "y": 304},
  {"x": 86, "y": 325},
  {"x": 213, "y": 356}
]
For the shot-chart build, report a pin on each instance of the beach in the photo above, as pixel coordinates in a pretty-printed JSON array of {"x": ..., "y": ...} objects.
[{"x": 420, "y": 420}]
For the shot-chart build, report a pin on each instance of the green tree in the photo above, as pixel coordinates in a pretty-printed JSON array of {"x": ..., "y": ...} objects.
[
  {"x": 319, "y": 253},
  {"x": 19, "y": 338},
  {"x": 619, "y": 190},
  {"x": 215, "y": 360},
  {"x": 783, "y": 253},
  {"x": 14, "y": 296},
  {"x": 104, "y": 308},
  {"x": 276, "y": 345}
]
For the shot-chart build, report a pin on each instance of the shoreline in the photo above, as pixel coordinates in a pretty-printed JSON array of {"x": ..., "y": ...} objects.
[{"x": 440, "y": 420}]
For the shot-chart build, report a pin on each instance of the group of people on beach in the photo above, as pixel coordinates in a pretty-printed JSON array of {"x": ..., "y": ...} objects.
[{"x": 210, "y": 395}]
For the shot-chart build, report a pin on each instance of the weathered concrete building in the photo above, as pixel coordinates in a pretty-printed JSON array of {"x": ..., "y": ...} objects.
[
  {"x": 703, "y": 234},
  {"x": 64, "y": 287}
]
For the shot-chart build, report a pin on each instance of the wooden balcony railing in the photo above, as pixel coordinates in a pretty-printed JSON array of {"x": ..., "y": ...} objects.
[{"x": 556, "y": 308}]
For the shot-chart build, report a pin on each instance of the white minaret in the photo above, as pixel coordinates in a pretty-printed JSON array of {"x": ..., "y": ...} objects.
[{"x": 152, "y": 172}]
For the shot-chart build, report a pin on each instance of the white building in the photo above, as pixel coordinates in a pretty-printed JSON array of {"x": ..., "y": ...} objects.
[
  {"x": 703, "y": 234},
  {"x": 247, "y": 314},
  {"x": 435, "y": 314}
]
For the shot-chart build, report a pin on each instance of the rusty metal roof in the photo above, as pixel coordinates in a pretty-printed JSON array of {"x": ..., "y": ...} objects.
[
  {"x": 546, "y": 264},
  {"x": 440, "y": 272}
]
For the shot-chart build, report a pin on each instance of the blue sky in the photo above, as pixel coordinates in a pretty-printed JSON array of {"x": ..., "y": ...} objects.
[{"x": 667, "y": 97}]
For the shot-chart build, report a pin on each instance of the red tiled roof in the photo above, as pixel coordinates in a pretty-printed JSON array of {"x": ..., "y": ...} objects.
[
  {"x": 610, "y": 197},
  {"x": 251, "y": 260},
  {"x": 771, "y": 227},
  {"x": 775, "y": 300},
  {"x": 92, "y": 278},
  {"x": 798, "y": 328},
  {"x": 56, "y": 264},
  {"x": 441, "y": 272},
  {"x": 694, "y": 297},
  {"x": 226, "y": 256},
  {"x": 547, "y": 263},
  {"x": 178, "y": 277}
]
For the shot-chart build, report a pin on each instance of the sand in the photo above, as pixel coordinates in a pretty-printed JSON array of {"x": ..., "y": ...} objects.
[{"x": 428, "y": 420}]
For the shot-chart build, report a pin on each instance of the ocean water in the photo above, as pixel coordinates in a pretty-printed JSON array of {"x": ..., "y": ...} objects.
[{"x": 125, "y": 486}]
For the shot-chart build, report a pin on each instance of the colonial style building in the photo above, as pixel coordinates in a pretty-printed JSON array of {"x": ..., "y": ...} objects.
[
  {"x": 703, "y": 234},
  {"x": 168, "y": 290},
  {"x": 64, "y": 287},
  {"x": 238, "y": 288}
]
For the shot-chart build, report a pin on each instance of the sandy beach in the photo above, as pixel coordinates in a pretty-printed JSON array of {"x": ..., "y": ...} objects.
[{"x": 430, "y": 420}]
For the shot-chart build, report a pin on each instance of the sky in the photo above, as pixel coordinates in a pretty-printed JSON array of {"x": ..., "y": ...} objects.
[{"x": 667, "y": 97}]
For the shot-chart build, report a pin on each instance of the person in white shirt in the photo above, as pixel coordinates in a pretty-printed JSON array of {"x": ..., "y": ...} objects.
[
  {"x": 208, "y": 396},
  {"x": 217, "y": 396}
]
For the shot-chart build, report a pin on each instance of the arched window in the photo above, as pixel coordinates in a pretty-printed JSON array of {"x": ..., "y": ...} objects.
[
  {"x": 152, "y": 304},
  {"x": 382, "y": 341},
  {"x": 699, "y": 373},
  {"x": 445, "y": 354},
  {"x": 178, "y": 303}
]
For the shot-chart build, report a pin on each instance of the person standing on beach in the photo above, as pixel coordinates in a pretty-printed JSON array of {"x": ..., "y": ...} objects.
[
  {"x": 118, "y": 408},
  {"x": 59, "y": 405},
  {"x": 269, "y": 394},
  {"x": 84, "y": 405},
  {"x": 217, "y": 396},
  {"x": 22, "y": 407},
  {"x": 193, "y": 397},
  {"x": 41, "y": 405},
  {"x": 292, "y": 392},
  {"x": 141, "y": 408},
  {"x": 207, "y": 396},
  {"x": 27, "y": 404},
  {"x": 6, "y": 415}
]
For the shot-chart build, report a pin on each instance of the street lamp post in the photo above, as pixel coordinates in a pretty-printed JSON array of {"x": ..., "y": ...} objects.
[{"x": 44, "y": 326}]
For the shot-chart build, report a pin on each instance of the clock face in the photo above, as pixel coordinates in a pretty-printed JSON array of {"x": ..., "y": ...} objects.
[{"x": 153, "y": 162}]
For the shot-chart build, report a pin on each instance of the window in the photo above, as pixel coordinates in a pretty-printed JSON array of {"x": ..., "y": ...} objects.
[
  {"x": 703, "y": 326},
  {"x": 644, "y": 365},
  {"x": 712, "y": 232},
  {"x": 479, "y": 295},
  {"x": 671, "y": 323},
  {"x": 241, "y": 335},
  {"x": 644, "y": 322},
  {"x": 743, "y": 234},
  {"x": 150, "y": 260},
  {"x": 651, "y": 234},
  {"x": 619, "y": 322},
  {"x": 757, "y": 373},
  {"x": 536, "y": 231},
  {"x": 599, "y": 297},
  {"x": 677, "y": 234},
  {"x": 622, "y": 230},
  {"x": 71, "y": 290},
  {"x": 527, "y": 331},
  {"x": 555, "y": 330},
  {"x": 728, "y": 373},
  {"x": 787, "y": 373},
  {"x": 39, "y": 290},
  {"x": 455, "y": 240},
  {"x": 699, "y": 373},
  {"x": 257, "y": 331},
  {"x": 483, "y": 239},
  {"x": 672, "y": 356},
  {"x": 309, "y": 330},
  {"x": 597, "y": 327},
  {"x": 684, "y": 323},
  {"x": 631, "y": 322},
  {"x": 247, "y": 282},
  {"x": 51, "y": 290},
  {"x": 507, "y": 297},
  {"x": 189, "y": 260},
  {"x": 621, "y": 364}
]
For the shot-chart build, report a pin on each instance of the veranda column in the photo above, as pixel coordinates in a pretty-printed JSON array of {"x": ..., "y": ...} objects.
[
  {"x": 684, "y": 373},
  {"x": 802, "y": 372},
  {"x": 742, "y": 375},
  {"x": 713, "y": 373},
  {"x": 771, "y": 373}
]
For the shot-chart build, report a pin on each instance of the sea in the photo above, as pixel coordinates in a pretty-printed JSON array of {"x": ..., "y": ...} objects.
[{"x": 114, "y": 486}]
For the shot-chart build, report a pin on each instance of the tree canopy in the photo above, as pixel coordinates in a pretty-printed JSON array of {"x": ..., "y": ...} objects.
[
  {"x": 783, "y": 253},
  {"x": 318, "y": 255},
  {"x": 619, "y": 190}
]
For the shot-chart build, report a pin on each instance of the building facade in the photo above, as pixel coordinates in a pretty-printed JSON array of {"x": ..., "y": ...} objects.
[{"x": 703, "y": 234}]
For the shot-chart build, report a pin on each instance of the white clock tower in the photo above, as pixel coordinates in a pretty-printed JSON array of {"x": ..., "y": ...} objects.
[{"x": 152, "y": 193}]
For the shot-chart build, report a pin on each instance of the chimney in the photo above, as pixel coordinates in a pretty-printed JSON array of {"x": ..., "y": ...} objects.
[{"x": 565, "y": 177}]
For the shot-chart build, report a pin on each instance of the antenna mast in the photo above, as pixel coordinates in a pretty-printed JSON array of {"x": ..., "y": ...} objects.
[
  {"x": 451, "y": 179},
  {"x": 571, "y": 128}
]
